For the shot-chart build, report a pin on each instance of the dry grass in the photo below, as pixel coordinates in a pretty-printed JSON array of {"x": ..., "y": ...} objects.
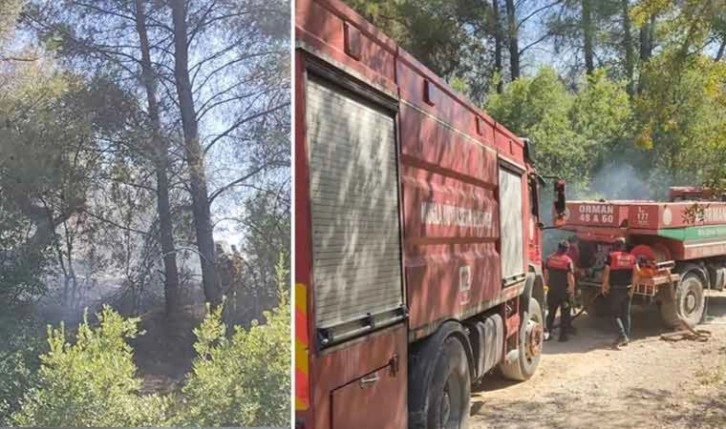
[{"x": 713, "y": 375}]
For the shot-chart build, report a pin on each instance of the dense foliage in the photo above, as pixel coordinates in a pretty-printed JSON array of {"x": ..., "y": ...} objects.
[
  {"x": 142, "y": 178},
  {"x": 621, "y": 97},
  {"x": 92, "y": 381},
  {"x": 241, "y": 379}
]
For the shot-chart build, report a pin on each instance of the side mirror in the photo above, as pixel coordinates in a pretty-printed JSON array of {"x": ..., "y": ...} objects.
[
  {"x": 528, "y": 150},
  {"x": 560, "y": 199}
]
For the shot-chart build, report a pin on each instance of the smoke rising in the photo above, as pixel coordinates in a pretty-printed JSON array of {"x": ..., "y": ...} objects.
[
  {"x": 615, "y": 180},
  {"x": 618, "y": 181}
]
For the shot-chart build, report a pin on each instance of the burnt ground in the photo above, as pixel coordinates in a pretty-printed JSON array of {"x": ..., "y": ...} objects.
[
  {"x": 165, "y": 352},
  {"x": 585, "y": 384}
]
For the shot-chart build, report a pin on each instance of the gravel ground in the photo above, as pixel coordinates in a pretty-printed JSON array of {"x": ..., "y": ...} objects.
[{"x": 583, "y": 383}]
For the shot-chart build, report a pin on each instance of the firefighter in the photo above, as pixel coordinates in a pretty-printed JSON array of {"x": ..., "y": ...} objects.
[
  {"x": 574, "y": 254},
  {"x": 617, "y": 283},
  {"x": 559, "y": 275},
  {"x": 574, "y": 251}
]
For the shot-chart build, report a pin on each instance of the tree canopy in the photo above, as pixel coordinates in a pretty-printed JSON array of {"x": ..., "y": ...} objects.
[
  {"x": 608, "y": 91},
  {"x": 144, "y": 173}
]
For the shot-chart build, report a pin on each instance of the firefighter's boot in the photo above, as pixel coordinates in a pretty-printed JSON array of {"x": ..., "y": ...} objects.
[{"x": 621, "y": 342}]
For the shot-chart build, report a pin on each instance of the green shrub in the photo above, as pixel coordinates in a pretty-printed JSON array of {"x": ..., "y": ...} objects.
[
  {"x": 243, "y": 380},
  {"x": 14, "y": 381},
  {"x": 92, "y": 382},
  {"x": 19, "y": 349},
  {"x": 237, "y": 380}
]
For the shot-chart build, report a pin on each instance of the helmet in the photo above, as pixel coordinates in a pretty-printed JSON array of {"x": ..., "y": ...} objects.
[{"x": 619, "y": 243}]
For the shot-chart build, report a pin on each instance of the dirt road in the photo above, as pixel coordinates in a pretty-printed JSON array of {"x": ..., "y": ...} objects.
[{"x": 584, "y": 384}]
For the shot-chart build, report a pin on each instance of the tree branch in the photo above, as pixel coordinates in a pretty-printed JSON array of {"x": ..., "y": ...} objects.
[
  {"x": 241, "y": 122},
  {"x": 241, "y": 180},
  {"x": 19, "y": 59},
  {"x": 721, "y": 50},
  {"x": 537, "y": 11},
  {"x": 540, "y": 40},
  {"x": 200, "y": 25},
  {"x": 114, "y": 224}
]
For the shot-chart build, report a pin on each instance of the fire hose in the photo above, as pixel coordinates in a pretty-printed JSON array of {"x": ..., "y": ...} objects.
[
  {"x": 582, "y": 310},
  {"x": 685, "y": 330}
]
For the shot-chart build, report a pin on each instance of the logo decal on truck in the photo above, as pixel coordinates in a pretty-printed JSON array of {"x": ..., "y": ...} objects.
[
  {"x": 464, "y": 283},
  {"x": 447, "y": 215},
  {"x": 667, "y": 216}
]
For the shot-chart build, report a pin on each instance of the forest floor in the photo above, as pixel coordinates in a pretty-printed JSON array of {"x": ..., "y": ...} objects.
[
  {"x": 584, "y": 383},
  {"x": 165, "y": 352}
]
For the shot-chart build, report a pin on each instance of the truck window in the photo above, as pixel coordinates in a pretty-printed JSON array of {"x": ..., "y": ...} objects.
[{"x": 534, "y": 197}]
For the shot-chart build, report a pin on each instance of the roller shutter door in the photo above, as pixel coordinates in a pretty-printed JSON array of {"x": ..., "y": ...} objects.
[
  {"x": 354, "y": 205},
  {"x": 512, "y": 224}
]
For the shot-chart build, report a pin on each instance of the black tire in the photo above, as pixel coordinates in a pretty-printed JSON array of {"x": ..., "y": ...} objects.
[
  {"x": 524, "y": 367},
  {"x": 689, "y": 304},
  {"x": 449, "y": 396},
  {"x": 668, "y": 314}
]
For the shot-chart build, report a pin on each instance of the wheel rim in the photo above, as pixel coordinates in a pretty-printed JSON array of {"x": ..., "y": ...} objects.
[
  {"x": 689, "y": 302},
  {"x": 534, "y": 337}
]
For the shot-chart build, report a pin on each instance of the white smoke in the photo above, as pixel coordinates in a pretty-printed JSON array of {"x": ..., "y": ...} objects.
[{"x": 618, "y": 181}]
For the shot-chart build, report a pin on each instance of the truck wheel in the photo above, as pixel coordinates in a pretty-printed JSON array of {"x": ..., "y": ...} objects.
[
  {"x": 449, "y": 397},
  {"x": 529, "y": 347},
  {"x": 668, "y": 314},
  {"x": 689, "y": 302}
]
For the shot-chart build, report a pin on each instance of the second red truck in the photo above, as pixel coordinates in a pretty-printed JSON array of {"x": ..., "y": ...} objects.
[{"x": 681, "y": 241}]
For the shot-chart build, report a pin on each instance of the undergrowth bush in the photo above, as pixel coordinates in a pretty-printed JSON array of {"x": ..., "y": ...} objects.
[
  {"x": 91, "y": 382},
  {"x": 15, "y": 379},
  {"x": 242, "y": 379},
  {"x": 20, "y": 345}
]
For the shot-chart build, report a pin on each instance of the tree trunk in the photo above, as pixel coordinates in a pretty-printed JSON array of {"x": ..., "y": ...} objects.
[
  {"x": 647, "y": 33},
  {"x": 628, "y": 45},
  {"x": 194, "y": 154},
  {"x": 497, "y": 31},
  {"x": 646, "y": 40},
  {"x": 721, "y": 50},
  {"x": 513, "y": 42},
  {"x": 587, "y": 33},
  {"x": 172, "y": 290},
  {"x": 69, "y": 255}
]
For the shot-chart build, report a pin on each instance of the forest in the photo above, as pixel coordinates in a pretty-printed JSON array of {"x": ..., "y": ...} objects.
[
  {"x": 144, "y": 213},
  {"x": 622, "y": 98}
]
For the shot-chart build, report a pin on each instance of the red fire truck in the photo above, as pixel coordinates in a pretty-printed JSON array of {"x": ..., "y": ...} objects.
[
  {"x": 417, "y": 236},
  {"x": 681, "y": 244}
]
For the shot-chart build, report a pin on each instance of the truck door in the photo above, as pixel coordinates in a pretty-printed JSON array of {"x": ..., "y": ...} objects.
[{"x": 356, "y": 253}]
